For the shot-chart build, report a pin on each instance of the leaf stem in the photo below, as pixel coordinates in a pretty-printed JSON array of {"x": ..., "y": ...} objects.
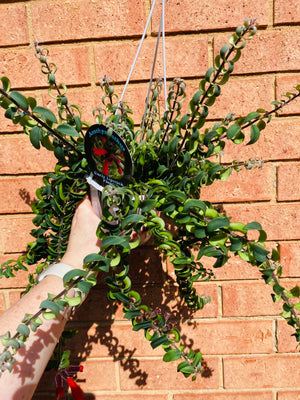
[
  {"x": 42, "y": 123},
  {"x": 206, "y": 92}
]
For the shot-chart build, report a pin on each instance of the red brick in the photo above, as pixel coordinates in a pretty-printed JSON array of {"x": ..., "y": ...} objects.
[
  {"x": 259, "y": 55},
  {"x": 225, "y": 396},
  {"x": 112, "y": 396},
  {"x": 15, "y": 233},
  {"x": 15, "y": 33},
  {"x": 167, "y": 298},
  {"x": 120, "y": 341},
  {"x": 156, "y": 374},
  {"x": 236, "y": 269},
  {"x": 181, "y": 16},
  {"x": 286, "y": 342},
  {"x": 281, "y": 222},
  {"x": 290, "y": 259},
  {"x": 116, "y": 340},
  {"x": 89, "y": 99},
  {"x": 286, "y": 84},
  {"x": 185, "y": 56},
  {"x": 14, "y": 296},
  {"x": 145, "y": 266},
  {"x": 124, "y": 396},
  {"x": 86, "y": 19},
  {"x": 2, "y": 304},
  {"x": 261, "y": 372},
  {"x": 106, "y": 342},
  {"x": 248, "y": 299},
  {"x": 249, "y": 94},
  {"x": 93, "y": 376},
  {"x": 103, "y": 312},
  {"x": 288, "y": 182},
  {"x": 289, "y": 395},
  {"x": 230, "y": 337},
  {"x": 151, "y": 295},
  {"x": 7, "y": 125},
  {"x": 260, "y": 88},
  {"x": 286, "y": 12},
  {"x": 277, "y": 142},
  {"x": 18, "y": 156},
  {"x": 247, "y": 185},
  {"x": 24, "y": 70},
  {"x": 251, "y": 299},
  {"x": 135, "y": 97},
  {"x": 17, "y": 194}
]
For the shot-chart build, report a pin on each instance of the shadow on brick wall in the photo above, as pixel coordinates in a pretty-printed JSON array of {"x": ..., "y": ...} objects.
[{"x": 105, "y": 338}]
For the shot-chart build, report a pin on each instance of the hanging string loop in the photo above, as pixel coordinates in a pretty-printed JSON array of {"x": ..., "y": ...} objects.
[{"x": 161, "y": 32}]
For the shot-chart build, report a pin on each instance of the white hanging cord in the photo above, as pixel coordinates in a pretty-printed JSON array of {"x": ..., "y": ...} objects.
[
  {"x": 164, "y": 60},
  {"x": 152, "y": 73},
  {"x": 161, "y": 32},
  {"x": 164, "y": 53},
  {"x": 136, "y": 56}
]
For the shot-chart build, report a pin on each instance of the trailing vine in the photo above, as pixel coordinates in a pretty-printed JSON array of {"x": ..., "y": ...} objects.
[{"x": 172, "y": 158}]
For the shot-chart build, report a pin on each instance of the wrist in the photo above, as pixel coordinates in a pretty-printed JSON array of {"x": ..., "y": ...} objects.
[
  {"x": 55, "y": 285},
  {"x": 72, "y": 261}
]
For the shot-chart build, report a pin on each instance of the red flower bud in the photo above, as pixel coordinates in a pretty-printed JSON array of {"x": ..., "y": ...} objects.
[
  {"x": 75, "y": 389},
  {"x": 105, "y": 167},
  {"x": 59, "y": 392}
]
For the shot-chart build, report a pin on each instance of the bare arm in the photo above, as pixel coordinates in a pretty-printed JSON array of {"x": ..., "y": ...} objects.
[{"x": 33, "y": 358}]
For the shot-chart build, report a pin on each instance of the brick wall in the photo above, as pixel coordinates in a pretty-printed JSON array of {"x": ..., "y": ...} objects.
[{"x": 249, "y": 353}]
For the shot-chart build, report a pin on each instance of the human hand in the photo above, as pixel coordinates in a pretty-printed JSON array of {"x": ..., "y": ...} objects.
[
  {"x": 143, "y": 235},
  {"x": 82, "y": 239}
]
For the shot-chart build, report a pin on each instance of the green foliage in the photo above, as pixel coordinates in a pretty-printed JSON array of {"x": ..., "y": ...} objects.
[{"x": 171, "y": 154}]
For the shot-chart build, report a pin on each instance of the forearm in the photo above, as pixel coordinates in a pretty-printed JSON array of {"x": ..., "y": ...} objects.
[{"x": 33, "y": 358}]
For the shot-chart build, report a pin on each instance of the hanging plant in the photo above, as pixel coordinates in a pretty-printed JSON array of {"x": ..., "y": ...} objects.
[{"x": 172, "y": 159}]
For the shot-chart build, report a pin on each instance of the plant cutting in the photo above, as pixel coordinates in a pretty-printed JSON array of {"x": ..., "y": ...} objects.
[{"x": 172, "y": 159}]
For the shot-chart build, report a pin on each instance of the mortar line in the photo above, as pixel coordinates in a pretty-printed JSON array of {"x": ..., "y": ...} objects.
[
  {"x": 210, "y": 50},
  {"x": 117, "y": 371},
  {"x": 31, "y": 37},
  {"x": 220, "y": 301},
  {"x": 275, "y": 327},
  {"x": 222, "y": 374},
  {"x": 6, "y": 299},
  {"x": 147, "y": 12},
  {"x": 92, "y": 66},
  {"x": 271, "y": 14}
]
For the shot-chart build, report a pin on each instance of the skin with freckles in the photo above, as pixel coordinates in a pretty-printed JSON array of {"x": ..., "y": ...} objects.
[{"x": 21, "y": 383}]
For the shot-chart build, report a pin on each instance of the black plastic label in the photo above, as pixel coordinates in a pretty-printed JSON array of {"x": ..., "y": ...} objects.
[{"x": 108, "y": 156}]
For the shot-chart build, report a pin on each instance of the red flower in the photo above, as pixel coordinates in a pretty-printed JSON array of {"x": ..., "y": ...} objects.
[
  {"x": 59, "y": 392},
  {"x": 75, "y": 389},
  {"x": 63, "y": 374},
  {"x": 99, "y": 152},
  {"x": 59, "y": 387},
  {"x": 105, "y": 167}
]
